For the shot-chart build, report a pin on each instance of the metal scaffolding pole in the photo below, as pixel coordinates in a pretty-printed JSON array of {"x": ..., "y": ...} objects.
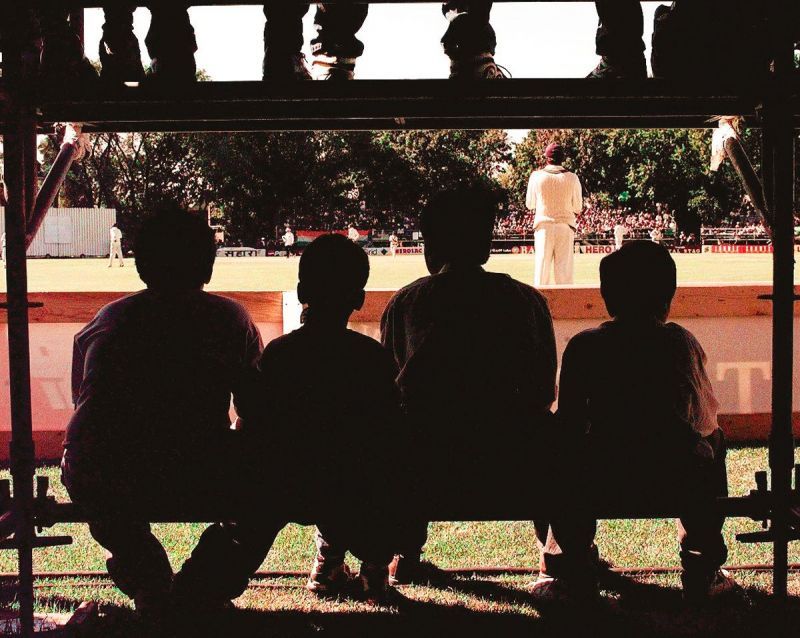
[
  {"x": 780, "y": 144},
  {"x": 19, "y": 160}
]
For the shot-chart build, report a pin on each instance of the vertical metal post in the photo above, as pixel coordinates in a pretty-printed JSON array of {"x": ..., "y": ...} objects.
[
  {"x": 20, "y": 135},
  {"x": 780, "y": 137}
]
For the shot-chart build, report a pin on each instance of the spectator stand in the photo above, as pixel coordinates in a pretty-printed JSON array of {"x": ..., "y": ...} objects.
[{"x": 26, "y": 107}]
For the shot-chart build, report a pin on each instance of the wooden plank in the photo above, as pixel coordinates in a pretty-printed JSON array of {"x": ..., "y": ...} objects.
[
  {"x": 81, "y": 307},
  {"x": 585, "y": 302}
]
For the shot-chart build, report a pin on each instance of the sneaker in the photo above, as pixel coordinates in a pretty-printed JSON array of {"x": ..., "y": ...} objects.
[
  {"x": 286, "y": 68},
  {"x": 180, "y": 69},
  {"x": 325, "y": 67},
  {"x": 477, "y": 67},
  {"x": 702, "y": 588},
  {"x": 549, "y": 591},
  {"x": 608, "y": 69},
  {"x": 407, "y": 571},
  {"x": 375, "y": 588},
  {"x": 329, "y": 581},
  {"x": 121, "y": 60}
]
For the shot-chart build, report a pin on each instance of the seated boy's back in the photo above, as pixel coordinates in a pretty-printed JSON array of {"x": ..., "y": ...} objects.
[
  {"x": 330, "y": 398},
  {"x": 641, "y": 391}
]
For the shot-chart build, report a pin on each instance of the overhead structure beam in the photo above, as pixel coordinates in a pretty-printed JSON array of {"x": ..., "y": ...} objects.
[{"x": 403, "y": 104}]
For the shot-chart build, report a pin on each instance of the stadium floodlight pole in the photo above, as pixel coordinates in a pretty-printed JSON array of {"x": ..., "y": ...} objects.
[
  {"x": 780, "y": 141},
  {"x": 19, "y": 151}
]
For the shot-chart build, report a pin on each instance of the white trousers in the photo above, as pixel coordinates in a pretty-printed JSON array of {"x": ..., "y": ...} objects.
[
  {"x": 115, "y": 252},
  {"x": 554, "y": 251}
]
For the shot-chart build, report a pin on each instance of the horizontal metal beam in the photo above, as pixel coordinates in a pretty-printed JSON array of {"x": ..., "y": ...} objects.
[
  {"x": 393, "y": 104},
  {"x": 142, "y": 3}
]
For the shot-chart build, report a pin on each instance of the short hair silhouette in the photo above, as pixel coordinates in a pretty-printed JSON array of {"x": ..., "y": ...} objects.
[
  {"x": 457, "y": 225},
  {"x": 175, "y": 249},
  {"x": 333, "y": 273},
  {"x": 639, "y": 280}
]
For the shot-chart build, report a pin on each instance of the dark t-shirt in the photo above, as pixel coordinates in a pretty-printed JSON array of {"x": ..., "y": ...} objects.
[
  {"x": 640, "y": 392},
  {"x": 474, "y": 348},
  {"x": 477, "y": 366},
  {"x": 153, "y": 375},
  {"x": 328, "y": 413}
]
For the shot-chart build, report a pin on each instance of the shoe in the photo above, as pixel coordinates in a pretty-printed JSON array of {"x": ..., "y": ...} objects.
[
  {"x": 556, "y": 591},
  {"x": 169, "y": 71},
  {"x": 477, "y": 67},
  {"x": 61, "y": 71},
  {"x": 325, "y": 67},
  {"x": 406, "y": 571},
  {"x": 325, "y": 580},
  {"x": 700, "y": 588},
  {"x": 286, "y": 68},
  {"x": 121, "y": 61},
  {"x": 375, "y": 588},
  {"x": 608, "y": 69}
]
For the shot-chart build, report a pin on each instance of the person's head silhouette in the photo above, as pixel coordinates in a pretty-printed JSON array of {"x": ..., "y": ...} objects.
[
  {"x": 457, "y": 227},
  {"x": 333, "y": 274},
  {"x": 175, "y": 250},
  {"x": 638, "y": 281}
]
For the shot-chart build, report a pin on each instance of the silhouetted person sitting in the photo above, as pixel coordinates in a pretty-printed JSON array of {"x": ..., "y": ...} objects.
[
  {"x": 635, "y": 392},
  {"x": 153, "y": 375},
  {"x": 477, "y": 362},
  {"x": 317, "y": 450}
]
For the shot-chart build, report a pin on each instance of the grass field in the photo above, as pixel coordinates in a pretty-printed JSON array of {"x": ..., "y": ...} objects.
[
  {"x": 277, "y": 273},
  {"x": 497, "y": 606}
]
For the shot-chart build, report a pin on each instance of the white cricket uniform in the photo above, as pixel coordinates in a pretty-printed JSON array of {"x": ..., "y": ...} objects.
[
  {"x": 619, "y": 234},
  {"x": 555, "y": 196},
  {"x": 115, "y": 249},
  {"x": 352, "y": 235},
  {"x": 288, "y": 242},
  {"x": 394, "y": 242}
]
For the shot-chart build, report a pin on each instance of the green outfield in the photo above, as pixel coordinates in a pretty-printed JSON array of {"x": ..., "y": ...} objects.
[{"x": 279, "y": 273}]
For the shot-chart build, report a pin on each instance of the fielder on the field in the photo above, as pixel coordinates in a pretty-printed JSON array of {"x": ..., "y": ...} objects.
[
  {"x": 115, "y": 248},
  {"x": 352, "y": 234},
  {"x": 619, "y": 235},
  {"x": 288, "y": 242},
  {"x": 394, "y": 243},
  {"x": 555, "y": 196}
]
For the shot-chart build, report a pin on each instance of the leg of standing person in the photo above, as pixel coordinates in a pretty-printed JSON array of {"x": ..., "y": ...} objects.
[
  {"x": 335, "y": 47},
  {"x": 563, "y": 254},
  {"x": 283, "y": 42},
  {"x": 411, "y": 536},
  {"x": 619, "y": 40},
  {"x": 703, "y": 549},
  {"x": 119, "y": 49},
  {"x": 120, "y": 256},
  {"x": 470, "y": 40},
  {"x": 171, "y": 43},
  {"x": 111, "y": 254},
  {"x": 543, "y": 255},
  {"x": 225, "y": 558},
  {"x": 62, "y": 51}
]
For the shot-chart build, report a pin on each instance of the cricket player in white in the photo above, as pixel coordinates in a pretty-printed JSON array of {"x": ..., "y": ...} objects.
[
  {"x": 288, "y": 241},
  {"x": 555, "y": 197},
  {"x": 619, "y": 235},
  {"x": 115, "y": 249},
  {"x": 394, "y": 242},
  {"x": 352, "y": 234}
]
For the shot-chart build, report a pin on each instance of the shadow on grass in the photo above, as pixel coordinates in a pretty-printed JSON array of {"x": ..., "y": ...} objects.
[{"x": 638, "y": 609}]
